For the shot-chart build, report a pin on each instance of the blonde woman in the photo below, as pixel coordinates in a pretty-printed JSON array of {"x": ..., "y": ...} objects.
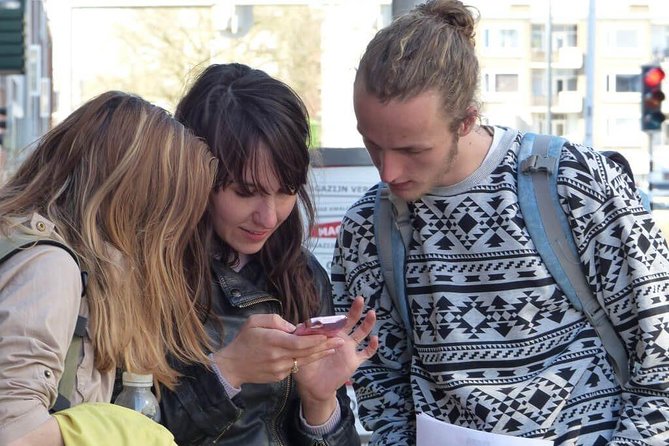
[{"x": 123, "y": 185}]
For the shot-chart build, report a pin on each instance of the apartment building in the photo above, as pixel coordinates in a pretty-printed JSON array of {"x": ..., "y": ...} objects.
[
  {"x": 25, "y": 83},
  {"x": 513, "y": 43}
]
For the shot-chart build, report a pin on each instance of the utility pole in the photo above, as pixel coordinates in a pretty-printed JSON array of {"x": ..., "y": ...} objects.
[
  {"x": 590, "y": 76},
  {"x": 549, "y": 70}
]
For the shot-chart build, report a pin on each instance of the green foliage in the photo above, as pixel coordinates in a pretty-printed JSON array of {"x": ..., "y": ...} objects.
[{"x": 315, "y": 129}]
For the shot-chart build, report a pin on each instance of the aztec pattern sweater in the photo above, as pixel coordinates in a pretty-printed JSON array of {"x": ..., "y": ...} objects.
[{"x": 497, "y": 346}]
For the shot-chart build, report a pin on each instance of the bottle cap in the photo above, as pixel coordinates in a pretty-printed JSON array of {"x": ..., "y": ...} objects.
[{"x": 137, "y": 380}]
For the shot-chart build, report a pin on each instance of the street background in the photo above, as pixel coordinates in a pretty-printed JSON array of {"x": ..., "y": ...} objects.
[{"x": 568, "y": 67}]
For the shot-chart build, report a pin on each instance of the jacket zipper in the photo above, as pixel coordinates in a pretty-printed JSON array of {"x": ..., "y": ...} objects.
[
  {"x": 275, "y": 419},
  {"x": 289, "y": 381},
  {"x": 274, "y": 425},
  {"x": 258, "y": 300}
]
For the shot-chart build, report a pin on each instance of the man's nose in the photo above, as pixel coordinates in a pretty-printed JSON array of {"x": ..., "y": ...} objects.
[{"x": 390, "y": 167}]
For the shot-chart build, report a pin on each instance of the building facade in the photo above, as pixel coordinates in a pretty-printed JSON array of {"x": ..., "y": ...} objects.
[
  {"x": 26, "y": 92},
  {"x": 569, "y": 67},
  {"x": 579, "y": 80}
]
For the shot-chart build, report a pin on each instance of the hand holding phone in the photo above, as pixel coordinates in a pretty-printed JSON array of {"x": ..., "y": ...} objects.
[{"x": 323, "y": 325}]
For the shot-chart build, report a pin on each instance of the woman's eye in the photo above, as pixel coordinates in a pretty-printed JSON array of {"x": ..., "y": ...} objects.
[{"x": 243, "y": 192}]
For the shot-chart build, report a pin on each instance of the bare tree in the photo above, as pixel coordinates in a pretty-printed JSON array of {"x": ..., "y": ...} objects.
[
  {"x": 161, "y": 46},
  {"x": 164, "y": 48}
]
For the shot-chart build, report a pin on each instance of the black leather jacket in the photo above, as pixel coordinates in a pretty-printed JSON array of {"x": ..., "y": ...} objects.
[{"x": 199, "y": 412}]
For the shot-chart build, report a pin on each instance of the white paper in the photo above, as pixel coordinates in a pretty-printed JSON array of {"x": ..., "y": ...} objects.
[{"x": 433, "y": 432}]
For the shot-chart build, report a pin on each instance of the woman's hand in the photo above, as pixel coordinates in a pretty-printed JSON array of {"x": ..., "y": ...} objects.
[
  {"x": 317, "y": 383},
  {"x": 264, "y": 351}
]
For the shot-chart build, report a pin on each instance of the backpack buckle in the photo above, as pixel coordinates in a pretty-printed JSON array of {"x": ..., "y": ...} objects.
[{"x": 536, "y": 163}]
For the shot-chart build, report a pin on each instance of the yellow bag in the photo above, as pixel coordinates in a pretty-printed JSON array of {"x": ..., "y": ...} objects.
[{"x": 96, "y": 424}]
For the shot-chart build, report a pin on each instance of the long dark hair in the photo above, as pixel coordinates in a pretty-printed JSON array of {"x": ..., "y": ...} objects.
[{"x": 239, "y": 112}]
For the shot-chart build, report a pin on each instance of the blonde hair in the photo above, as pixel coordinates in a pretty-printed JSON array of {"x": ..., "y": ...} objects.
[
  {"x": 429, "y": 48},
  {"x": 125, "y": 185}
]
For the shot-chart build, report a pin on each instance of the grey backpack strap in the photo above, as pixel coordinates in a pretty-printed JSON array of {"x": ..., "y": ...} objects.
[
  {"x": 17, "y": 243},
  {"x": 74, "y": 354},
  {"x": 392, "y": 230},
  {"x": 383, "y": 217},
  {"x": 551, "y": 234},
  {"x": 402, "y": 219}
]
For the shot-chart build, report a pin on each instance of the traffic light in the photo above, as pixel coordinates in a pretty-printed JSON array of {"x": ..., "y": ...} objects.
[
  {"x": 651, "y": 97},
  {"x": 12, "y": 37}
]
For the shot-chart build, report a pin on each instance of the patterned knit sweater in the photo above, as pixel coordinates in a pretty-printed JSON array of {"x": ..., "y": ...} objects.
[{"x": 497, "y": 346}]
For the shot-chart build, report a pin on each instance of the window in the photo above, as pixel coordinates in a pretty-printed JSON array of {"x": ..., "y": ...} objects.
[
  {"x": 562, "y": 80},
  {"x": 622, "y": 39},
  {"x": 538, "y": 38},
  {"x": 660, "y": 41},
  {"x": 506, "y": 83},
  {"x": 500, "y": 82},
  {"x": 563, "y": 36},
  {"x": 45, "y": 98},
  {"x": 566, "y": 84},
  {"x": 558, "y": 124},
  {"x": 539, "y": 83},
  {"x": 565, "y": 80},
  {"x": 501, "y": 38},
  {"x": 623, "y": 83}
]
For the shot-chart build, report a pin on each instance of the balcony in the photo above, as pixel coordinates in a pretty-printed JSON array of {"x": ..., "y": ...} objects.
[
  {"x": 564, "y": 58},
  {"x": 569, "y": 58},
  {"x": 563, "y": 102}
]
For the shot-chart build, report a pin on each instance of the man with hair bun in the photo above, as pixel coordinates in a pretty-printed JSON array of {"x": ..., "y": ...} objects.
[{"x": 495, "y": 344}]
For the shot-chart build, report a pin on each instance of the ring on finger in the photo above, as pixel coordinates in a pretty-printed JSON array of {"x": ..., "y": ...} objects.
[{"x": 295, "y": 368}]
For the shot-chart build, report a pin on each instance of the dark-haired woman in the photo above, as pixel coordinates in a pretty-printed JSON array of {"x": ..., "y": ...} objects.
[{"x": 266, "y": 385}]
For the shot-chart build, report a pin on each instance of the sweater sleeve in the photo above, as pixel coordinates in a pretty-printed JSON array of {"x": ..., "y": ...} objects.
[
  {"x": 627, "y": 264},
  {"x": 343, "y": 434},
  {"x": 382, "y": 383}
]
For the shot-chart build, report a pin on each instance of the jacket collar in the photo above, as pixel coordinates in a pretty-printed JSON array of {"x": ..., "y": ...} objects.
[{"x": 243, "y": 287}]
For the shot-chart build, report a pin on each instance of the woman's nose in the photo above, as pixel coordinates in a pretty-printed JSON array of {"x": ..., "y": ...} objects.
[{"x": 265, "y": 213}]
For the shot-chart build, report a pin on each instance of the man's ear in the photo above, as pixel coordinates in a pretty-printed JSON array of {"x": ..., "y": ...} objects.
[{"x": 469, "y": 122}]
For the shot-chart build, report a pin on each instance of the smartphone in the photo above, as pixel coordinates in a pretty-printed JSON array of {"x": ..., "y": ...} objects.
[{"x": 323, "y": 325}]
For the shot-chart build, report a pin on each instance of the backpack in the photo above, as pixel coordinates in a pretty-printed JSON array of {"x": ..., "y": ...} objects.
[
  {"x": 547, "y": 224},
  {"x": 17, "y": 243}
]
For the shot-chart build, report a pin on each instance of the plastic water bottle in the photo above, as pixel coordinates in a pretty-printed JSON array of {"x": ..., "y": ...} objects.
[{"x": 137, "y": 395}]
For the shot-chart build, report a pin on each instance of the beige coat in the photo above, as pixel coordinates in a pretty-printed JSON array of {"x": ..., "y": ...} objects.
[{"x": 40, "y": 298}]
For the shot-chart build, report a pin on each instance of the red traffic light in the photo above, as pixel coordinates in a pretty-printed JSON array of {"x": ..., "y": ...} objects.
[
  {"x": 652, "y": 98},
  {"x": 653, "y": 77}
]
